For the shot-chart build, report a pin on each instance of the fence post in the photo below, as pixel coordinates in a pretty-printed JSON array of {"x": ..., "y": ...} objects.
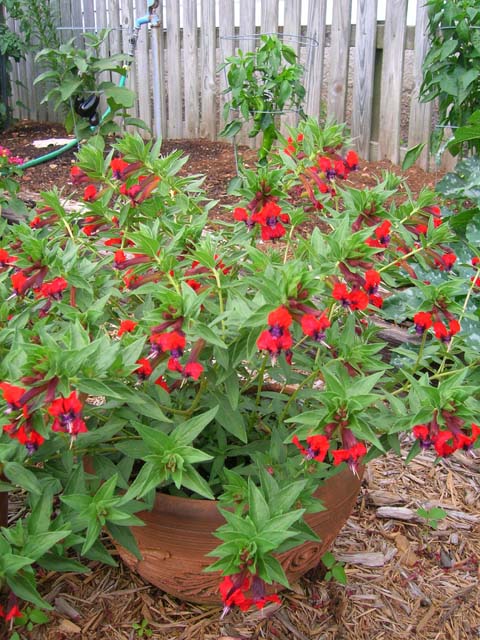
[
  {"x": 392, "y": 72},
  {"x": 339, "y": 52},
  {"x": 420, "y": 114},
  {"x": 364, "y": 72},
  {"x": 314, "y": 64}
]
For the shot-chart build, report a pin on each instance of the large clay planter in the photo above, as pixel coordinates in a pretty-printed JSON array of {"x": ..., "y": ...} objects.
[{"x": 178, "y": 533}]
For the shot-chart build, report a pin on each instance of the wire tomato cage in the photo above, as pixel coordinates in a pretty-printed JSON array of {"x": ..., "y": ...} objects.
[{"x": 296, "y": 39}]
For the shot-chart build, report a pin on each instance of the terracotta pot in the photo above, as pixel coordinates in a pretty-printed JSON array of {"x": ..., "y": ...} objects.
[{"x": 178, "y": 533}]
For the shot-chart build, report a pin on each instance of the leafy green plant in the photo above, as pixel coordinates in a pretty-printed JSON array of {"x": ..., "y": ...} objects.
[
  {"x": 451, "y": 70},
  {"x": 262, "y": 84},
  {"x": 142, "y": 630},
  {"x": 37, "y": 28},
  {"x": 143, "y": 350},
  {"x": 335, "y": 569},
  {"x": 432, "y": 516},
  {"x": 75, "y": 88}
]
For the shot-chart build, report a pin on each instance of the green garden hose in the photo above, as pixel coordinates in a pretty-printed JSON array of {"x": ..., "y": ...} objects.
[{"x": 67, "y": 147}]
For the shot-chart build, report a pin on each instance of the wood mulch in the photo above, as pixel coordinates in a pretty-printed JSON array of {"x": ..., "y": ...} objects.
[{"x": 405, "y": 579}]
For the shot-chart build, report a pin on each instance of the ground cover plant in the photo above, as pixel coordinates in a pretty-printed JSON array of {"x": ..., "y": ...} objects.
[{"x": 243, "y": 363}]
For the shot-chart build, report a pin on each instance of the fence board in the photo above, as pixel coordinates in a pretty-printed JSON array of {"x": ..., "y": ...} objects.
[
  {"x": 339, "y": 52},
  {"x": 89, "y": 15},
  {"x": 420, "y": 113},
  {"x": 208, "y": 123},
  {"x": 127, "y": 21},
  {"x": 77, "y": 18},
  {"x": 392, "y": 71},
  {"x": 174, "y": 97},
  {"x": 143, "y": 75},
  {"x": 158, "y": 75},
  {"x": 364, "y": 68},
  {"x": 269, "y": 20},
  {"x": 190, "y": 68},
  {"x": 317, "y": 11},
  {"x": 247, "y": 28},
  {"x": 227, "y": 43},
  {"x": 292, "y": 26},
  {"x": 247, "y": 25}
]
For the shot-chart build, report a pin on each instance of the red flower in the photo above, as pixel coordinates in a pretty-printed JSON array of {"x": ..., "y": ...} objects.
[
  {"x": 351, "y": 160},
  {"x": 434, "y": 210},
  {"x": 475, "y": 261},
  {"x": 53, "y": 289},
  {"x": 446, "y": 262},
  {"x": 340, "y": 169},
  {"x": 18, "y": 281},
  {"x": 421, "y": 228},
  {"x": 240, "y": 214},
  {"x": 161, "y": 382},
  {"x": 233, "y": 593},
  {"x": 13, "y": 612},
  {"x": 274, "y": 344},
  {"x": 117, "y": 165},
  {"x": 78, "y": 176},
  {"x": 66, "y": 412},
  {"x": 173, "y": 364},
  {"x": 90, "y": 193},
  {"x": 26, "y": 436},
  {"x": 194, "y": 284},
  {"x": 126, "y": 326},
  {"x": 423, "y": 321},
  {"x": 326, "y": 167},
  {"x": 315, "y": 327},
  {"x": 193, "y": 370},
  {"x": 441, "y": 444},
  {"x": 340, "y": 293},
  {"x": 290, "y": 148},
  {"x": 358, "y": 300},
  {"x": 317, "y": 449},
  {"x": 355, "y": 300},
  {"x": 6, "y": 260},
  {"x": 422, "y": 434},
  {"x": 382, "y": 235},
  {"x": 351, "y": 455},
  {"x": 145, "y": 368},
  {"x": 444, "y": 334},
  {"x": 12, "y": 396},
  {"x": 119, "y": 258},
  {"x": 280, "y": 318},
  {"x": 270, "y": 217},
  {"x": 372, "y": 281},
  {"x": 173, "y": 341}
]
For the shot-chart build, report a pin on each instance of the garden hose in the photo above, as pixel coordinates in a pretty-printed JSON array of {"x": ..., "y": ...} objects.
[
  {"x": 149, "y": 18},
  {"x": 67, "y": 147}
]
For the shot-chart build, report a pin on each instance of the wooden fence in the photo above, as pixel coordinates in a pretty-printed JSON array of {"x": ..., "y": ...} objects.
[{"x": 367, "y": 74}]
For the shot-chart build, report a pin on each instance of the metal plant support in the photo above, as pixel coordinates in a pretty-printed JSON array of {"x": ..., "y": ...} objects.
[{"x": 301, "y": 41}]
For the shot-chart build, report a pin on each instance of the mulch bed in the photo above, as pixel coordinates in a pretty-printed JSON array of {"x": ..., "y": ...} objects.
[{"x": 405, "y": 579}]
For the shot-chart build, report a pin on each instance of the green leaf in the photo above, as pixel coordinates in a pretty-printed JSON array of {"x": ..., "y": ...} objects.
[
  {"x": 187, "y": 431},
  {"x": 125, "y": 537},
  {"x": 23, "y": 586},
  {"x": 192, "y": 480},
  {"x": 38, "y": 545},
  {"x": 19, "y": 475},
  {"x": 412, "y": 156},
  {"x": 258, "y": 507},
  {"x": 231, "y": 129},
  {"x": 120, "y": 96}
]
